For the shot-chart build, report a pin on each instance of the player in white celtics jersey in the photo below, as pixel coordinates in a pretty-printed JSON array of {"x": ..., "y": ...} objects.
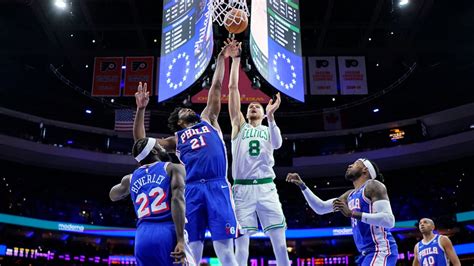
[{"x": 255, "y": 193}]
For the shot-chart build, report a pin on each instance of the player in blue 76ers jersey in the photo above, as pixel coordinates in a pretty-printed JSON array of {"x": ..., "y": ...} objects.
[
  {"x": 199, "y": 144},
  {"x": 368, "y": 207},
  {"x": 157, "y": 192},
  {"x": 434, "y": 249}
]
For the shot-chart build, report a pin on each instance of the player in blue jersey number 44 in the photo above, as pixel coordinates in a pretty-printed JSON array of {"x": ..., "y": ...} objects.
[{"x": 434, "y": 249}]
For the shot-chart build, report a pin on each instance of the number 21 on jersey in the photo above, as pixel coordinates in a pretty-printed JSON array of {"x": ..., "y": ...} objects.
[
  {"x": 157, "y": 206},
  {"x": 198, "y": 143}
]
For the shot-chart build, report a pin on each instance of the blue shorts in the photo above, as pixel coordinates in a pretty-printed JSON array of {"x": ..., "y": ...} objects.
[
  {"x": 209, "y": 206},
  {"x": 154, "y": 243},
  {"x": 379, "y": 258}
]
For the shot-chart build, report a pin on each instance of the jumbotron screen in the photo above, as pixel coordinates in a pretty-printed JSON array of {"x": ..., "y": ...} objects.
[
  {"x": 186, "y": 45},
  {"x": 275, "y": 44}
]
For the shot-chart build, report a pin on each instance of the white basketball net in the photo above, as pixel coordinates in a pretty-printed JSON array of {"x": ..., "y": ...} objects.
[{"x": 220, "y": 11}]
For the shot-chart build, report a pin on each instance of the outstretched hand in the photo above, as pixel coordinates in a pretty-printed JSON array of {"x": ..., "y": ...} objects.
[
  {"x": 341, "y": 206},
  {"x": 294, "y": 178},
  {"x": 231, "y": 48},
  {"x": 142, "y": 96},
  {"x": 273, "y": 106}
]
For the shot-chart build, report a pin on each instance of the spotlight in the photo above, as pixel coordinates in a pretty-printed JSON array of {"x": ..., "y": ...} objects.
[
  {"x": 370, "y": 39},
  {"x": 471, "y": 127},
  {"x": 404, "y": 2},
  {"x": 333, "y": 99},
  {"x": 87, "y": 66},
  {"x": 112, "y": 100},
  {"x": 377, "y": 64},
  {"x": 376, "y": 110},
  {"x": 93, "y": 41},
  {"x": 88, "y": 111},
  {"x": 61, "y": 4},
  {"x": 256, "y": 83},
  {"x": 391, "y": 33},
  {"x": 206, "y": 84},
  {"x": 72, "y": 35},
  {"x": 155, "y": 40},
  {"x": 124, "y": 67}
]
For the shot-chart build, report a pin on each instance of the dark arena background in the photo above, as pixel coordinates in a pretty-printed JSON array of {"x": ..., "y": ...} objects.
[{"x": 389, "y": 80}]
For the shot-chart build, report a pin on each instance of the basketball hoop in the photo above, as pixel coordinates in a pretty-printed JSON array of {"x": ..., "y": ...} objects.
[{"x": 220, "y": 10}]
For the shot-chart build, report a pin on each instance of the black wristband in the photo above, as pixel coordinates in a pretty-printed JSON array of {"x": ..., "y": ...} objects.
[{"x": 302, "y": 186}]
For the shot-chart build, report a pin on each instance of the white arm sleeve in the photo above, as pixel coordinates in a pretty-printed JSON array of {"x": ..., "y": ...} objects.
[
  {"x": 319, "y": 206},
  {"x": 382, "y": 215},
  {"x": 275, "y": 135}
]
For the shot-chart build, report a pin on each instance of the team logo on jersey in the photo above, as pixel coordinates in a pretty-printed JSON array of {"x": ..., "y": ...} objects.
[{"x": 229, "y": 230}]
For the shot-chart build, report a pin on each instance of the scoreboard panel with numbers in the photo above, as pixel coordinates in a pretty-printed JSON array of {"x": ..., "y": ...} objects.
[
  {"x": 275, "y": 45},
  {"x": 186, "y": 45}
]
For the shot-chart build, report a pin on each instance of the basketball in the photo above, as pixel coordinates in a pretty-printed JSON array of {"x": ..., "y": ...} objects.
[{"x": 236, "y": 21}]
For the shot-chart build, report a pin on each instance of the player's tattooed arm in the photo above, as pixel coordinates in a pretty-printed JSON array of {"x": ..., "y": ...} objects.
[
  {"x": 381, "y": 214},
  {"x": 376, "y": 190},
  {"x": 178, "y": 210},
  {"x": 121, "y": 190}
]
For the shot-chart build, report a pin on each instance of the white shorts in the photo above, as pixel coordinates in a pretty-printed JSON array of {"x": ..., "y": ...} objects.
[{"x": 261, "y": 200}]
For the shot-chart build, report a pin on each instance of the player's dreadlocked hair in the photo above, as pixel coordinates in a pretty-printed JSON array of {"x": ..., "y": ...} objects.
[
  {"x": 173, "y": 120},
  {"x": 379, "y": 176}
]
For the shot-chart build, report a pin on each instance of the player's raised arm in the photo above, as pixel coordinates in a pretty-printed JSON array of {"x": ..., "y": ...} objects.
[
  {"x": 121, "y": 190},
  {"x": 449, "y": 249},
  {"x": 213, "y": 107},
  {"x": 319, "y": 206},
  {"x": 275, "y": 133},
  {"x": 142, "y": 97},
  {"x": 236, "y": 116},
  {"x": 177, "y": 174}
]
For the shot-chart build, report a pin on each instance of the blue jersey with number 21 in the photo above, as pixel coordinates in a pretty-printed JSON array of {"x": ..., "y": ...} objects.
[{"x": 202, "y": 151}]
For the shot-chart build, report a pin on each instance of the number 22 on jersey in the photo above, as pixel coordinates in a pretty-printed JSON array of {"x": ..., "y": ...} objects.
[{"x": 157, "y": 206}]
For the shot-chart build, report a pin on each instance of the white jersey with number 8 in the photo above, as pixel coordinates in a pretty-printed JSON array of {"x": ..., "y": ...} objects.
[{"x": 252, "y": 153}]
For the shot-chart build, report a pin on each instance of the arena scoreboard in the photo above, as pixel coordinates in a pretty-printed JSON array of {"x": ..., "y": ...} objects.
[
  {"x": 186, "y": 45},
  {"x": 275, "y": 45}
]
